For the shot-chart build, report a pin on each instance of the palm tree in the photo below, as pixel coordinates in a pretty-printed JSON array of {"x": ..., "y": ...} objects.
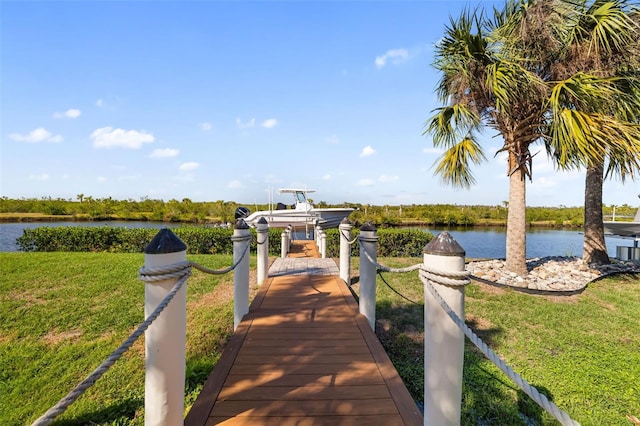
[
  {"x": 603, "y": 45},
  {"x": 501, "y": 72}
]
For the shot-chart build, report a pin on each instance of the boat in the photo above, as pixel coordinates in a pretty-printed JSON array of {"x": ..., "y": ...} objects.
[
  {"x": 299, "y": 214},
  {"x": 624, "y": 229}
]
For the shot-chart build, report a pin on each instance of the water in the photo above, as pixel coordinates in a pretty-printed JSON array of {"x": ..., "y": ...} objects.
[
  {"x": 478, "y": 242},
  {"x": 490, "y": 242},
  {"x": 9, "y": 232}
]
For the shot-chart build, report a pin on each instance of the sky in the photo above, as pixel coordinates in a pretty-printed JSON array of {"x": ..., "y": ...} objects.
[{"x": 221, "y": 100}]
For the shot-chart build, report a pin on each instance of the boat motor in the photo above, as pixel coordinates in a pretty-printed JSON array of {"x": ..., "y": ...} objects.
[{"x": 242, "y": 213}]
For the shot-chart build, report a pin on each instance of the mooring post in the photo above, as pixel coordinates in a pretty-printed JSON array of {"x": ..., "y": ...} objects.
[
  {"x": 241, "y": 238},
  {"x": 316, "y": 235},
  {"x": 443, "y": 339},
  {"x": 323, "y": 243},
  {"x": 263, "y": 249},
  {"x": 345, "y": 250},
  {"x": 284, "y": 243},
  {"x": 165, "y": 339},
  {"x": 368, "y": 257}
]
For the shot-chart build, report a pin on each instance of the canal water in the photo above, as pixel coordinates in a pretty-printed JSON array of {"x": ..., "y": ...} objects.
[{"x": 478, "y": 242}]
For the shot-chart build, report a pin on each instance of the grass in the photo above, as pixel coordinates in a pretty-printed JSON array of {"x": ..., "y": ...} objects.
[
  {"x": 582, "y": 352},
  {"x": 61, "y": 315}
]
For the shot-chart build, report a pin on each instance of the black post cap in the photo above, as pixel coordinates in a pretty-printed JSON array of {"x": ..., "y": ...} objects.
[
  {"x": 368, "y": 226},
  {"x": 165, "y": 242},
  {"x": 241, "y": 224},
  {"x": 444, "y": 245}
]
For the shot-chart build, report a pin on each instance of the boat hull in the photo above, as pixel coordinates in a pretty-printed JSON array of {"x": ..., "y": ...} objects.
[
  {"x": 325, "y": 218},
  {"x": 624, "y": 229}
]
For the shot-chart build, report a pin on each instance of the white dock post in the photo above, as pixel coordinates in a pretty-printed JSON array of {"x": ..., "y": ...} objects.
[
  {"x": 263, "y": 249},
  {"x": 165, "y": 339},
  {"x": 443, "y": 339},
  {"x": 284, "y": 243},
  {"x": 345, "y": 250},
  {"x": 368, "y": 245},
  {"x": 316, "y": 235},
  {"x": 241, "y": 237},
  {"x": 323, "y": 243}
]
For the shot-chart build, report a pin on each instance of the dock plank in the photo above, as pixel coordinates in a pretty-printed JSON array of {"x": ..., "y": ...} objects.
[{"x": 303, "y": 355}]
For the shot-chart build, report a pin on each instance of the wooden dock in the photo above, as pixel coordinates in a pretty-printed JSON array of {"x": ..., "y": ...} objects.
[{"x": 303, "y": 355}]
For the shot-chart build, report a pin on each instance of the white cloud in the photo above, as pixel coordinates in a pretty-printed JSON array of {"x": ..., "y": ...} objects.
[
  {"x": 205, "y": 126},
  {"x": 365, "y": 182},
  {"x": 333, "y": 139},
  {"x": 544, "y": 182},
  {"x": 37, "y": 135},
  {"x": 102, "y": 179},
  {"x": 185, "y": 178},
  {"x": 70, "y": 113},
  {"x": 129, "y": 178},
  {"x": 326, "y": 177},
  {"x": 246, "y": 124},
  {"x": 367, "y": 151},
  {"x": 107, "y": 137},
  {"x": 99, "y": 103},
  {"x": 40, "y": 177},
  {"x": 432, "y": 151},
  {"x": 387, "y": 178},
  {"x": 394, "y": 56},
  {"x": 191, "y": 165},
  {"x": 235, "y": 184},
  {"x": 270, "y": 123},
  {"x": 164, "y": 153}
]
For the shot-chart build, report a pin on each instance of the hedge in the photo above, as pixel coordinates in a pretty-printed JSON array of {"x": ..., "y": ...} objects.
[{"x": 201, "y": 240}]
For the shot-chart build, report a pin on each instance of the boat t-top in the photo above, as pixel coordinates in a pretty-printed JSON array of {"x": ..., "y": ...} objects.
[
  {"x": 624, "y": 229},
  {"x": 300, "y": 213}
]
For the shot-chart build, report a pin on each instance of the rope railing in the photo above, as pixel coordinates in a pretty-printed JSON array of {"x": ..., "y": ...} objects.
[
  {"x": 179, "y": 270},
  {"x": 347, "y": 238},
  {"x": 534, "y": 394},
  {"x": 429, "y": 275},
  {"x": 48, "y": 417},
  {"x": 383, "y": 268}
]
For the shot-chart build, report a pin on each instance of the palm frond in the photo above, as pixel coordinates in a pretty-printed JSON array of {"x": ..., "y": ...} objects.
[
  {"x": 450, "y": 122},
  {"x": 453, "y": 166}
]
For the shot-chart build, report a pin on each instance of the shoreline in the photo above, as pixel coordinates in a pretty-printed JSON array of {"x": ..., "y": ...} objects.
[{"x": 44, "y": 218}]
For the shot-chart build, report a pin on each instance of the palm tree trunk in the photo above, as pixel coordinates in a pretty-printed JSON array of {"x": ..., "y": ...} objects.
[
  {"x": 517, "y": 224},
  {"x": 595, "y": 249}
]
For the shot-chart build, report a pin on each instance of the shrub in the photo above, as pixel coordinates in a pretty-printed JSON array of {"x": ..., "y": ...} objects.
[
  {"x": 391, "y": 242},
  {"x": 199, "y": 240}
]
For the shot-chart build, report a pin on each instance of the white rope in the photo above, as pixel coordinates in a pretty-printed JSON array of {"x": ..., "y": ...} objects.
[
  {"x": 48, "y": 417},
  {"x": 345, "y": 237},
  {"x": 226, "y": 270},
  {"x": 450, "y": 278},
  {"x": 180, "y": 270},
  {"x": 266, "y": 236},
  {"x": 536, "y": 396},
  {"x": 386, "y": 268}
]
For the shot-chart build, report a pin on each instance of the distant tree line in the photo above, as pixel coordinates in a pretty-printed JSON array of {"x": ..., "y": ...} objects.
[{"x": 188, "y": 211}]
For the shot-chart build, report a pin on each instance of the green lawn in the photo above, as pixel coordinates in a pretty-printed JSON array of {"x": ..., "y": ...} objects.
[
  {"x": 582, "y": 351},
  {"x": 61, "y": 315}
]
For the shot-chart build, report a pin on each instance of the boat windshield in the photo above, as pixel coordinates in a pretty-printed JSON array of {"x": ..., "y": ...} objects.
[{"x": 300, "y": 197}]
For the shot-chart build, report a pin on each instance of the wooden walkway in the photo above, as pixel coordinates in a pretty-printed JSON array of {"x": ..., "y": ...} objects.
[{"x": 303, "y": 355}]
